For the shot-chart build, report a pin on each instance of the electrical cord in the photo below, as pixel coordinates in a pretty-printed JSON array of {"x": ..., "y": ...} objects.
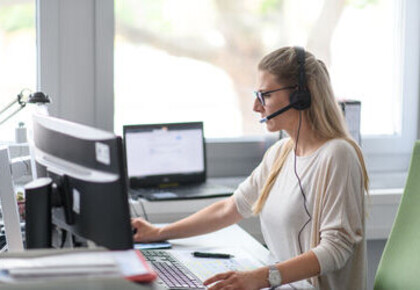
[
  {"x": 144, "y": 210},
  {"x": 300, "y": 185},
  {"x": 133, "y": 208}
]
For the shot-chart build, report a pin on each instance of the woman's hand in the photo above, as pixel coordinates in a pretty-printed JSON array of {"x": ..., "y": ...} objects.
[
  {"x": 145, "y": 231},
  {"x": 244, "y": 280}
]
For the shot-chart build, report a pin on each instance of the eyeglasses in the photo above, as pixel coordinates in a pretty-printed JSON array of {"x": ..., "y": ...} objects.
[{"x": 261, "y": 95}]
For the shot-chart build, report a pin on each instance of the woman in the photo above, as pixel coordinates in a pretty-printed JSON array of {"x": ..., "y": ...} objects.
[{"x": 308, "y": 190}]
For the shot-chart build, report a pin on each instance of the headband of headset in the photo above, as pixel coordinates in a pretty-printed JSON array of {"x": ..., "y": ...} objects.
[{"x": 301, "y": 98}]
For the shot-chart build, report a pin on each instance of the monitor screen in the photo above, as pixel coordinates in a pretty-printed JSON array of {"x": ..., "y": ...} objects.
[
  {"x": 164, "y": 149},
  {"x": 89, "y": 200}
]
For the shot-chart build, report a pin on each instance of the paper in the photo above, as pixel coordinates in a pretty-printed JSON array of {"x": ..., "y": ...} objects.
[
  {"x": 81, "y": 264},
  {"x": 204, "y": 268}
]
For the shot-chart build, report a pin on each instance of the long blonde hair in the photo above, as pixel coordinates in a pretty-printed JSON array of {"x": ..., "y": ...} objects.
[{"x": 324, "y": 115}]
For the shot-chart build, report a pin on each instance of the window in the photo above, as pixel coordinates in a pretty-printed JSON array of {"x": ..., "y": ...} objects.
[
  {"x": 175, "y": 65},
  {"x": 17, "y": 58},
  {"x": 71, "y": 78}
]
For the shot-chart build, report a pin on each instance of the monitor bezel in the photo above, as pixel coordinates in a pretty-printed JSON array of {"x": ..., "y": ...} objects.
[{"x": 167, "y": 179}]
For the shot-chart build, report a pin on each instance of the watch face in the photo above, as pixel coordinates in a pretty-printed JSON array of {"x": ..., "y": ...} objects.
[{"x": 274, "y": 277}]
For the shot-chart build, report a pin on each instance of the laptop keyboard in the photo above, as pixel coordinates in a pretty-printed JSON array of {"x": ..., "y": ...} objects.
[
  {"x": 172, "y": 272},
  {"x": 185, "y": 191}
]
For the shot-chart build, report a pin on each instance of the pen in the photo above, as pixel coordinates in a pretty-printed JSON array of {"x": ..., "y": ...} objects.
[{"x": 212, "y": 255}]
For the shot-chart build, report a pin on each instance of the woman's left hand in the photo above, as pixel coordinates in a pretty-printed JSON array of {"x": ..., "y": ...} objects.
[{"x": 236, "y": 280}]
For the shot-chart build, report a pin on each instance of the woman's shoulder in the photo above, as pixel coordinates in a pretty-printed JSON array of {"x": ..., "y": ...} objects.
[
  {"x": 276, "y": 147},
  {"x": 274, "y": 150},
  {"x": 340, "y": 149}
]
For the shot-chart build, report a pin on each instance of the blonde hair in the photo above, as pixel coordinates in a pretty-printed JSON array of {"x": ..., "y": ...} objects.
[{"x": 324, "y": 114}]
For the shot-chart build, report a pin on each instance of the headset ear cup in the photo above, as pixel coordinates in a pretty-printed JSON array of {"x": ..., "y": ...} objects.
[{"x": 301, "y": 100}]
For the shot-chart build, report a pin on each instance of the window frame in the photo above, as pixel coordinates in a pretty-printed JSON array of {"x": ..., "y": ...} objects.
[
  {"x": 75, "y": 67},
  {"x": 392, "y": 153}
]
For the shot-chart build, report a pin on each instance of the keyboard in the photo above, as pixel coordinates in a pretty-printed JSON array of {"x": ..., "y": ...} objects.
[
  {"x": 171, "y": 272},
  {"x": 193, "y": 191}
]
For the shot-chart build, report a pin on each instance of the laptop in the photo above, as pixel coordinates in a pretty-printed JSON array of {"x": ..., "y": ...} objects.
[{"x": 168, "y": 162}]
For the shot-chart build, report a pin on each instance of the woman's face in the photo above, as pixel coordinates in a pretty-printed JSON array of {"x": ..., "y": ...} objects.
[{"x": 273, "y": 102}]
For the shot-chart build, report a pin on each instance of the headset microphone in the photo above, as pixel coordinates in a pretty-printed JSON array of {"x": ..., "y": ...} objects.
[{"x": 278, "y": 112}]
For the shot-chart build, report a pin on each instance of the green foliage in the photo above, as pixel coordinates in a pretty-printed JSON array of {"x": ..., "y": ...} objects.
[
  {"x": 360, "y": 4},
  {"x": 268, "y": 6},
  {"x": 16, "y": 17}
]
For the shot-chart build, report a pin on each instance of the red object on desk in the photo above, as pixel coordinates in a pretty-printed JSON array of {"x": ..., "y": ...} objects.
[{"x": 144, "y": 277}]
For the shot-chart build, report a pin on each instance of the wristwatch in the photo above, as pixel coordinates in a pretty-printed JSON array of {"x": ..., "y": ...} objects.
[{"x": 274, "y": 276}]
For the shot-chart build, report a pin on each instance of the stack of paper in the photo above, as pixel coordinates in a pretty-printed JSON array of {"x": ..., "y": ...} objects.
[{"x": 129, "y": 264}]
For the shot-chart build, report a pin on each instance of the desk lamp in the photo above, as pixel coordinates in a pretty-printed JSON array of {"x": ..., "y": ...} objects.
[
  {"x": 7, "y": 194},
  {"x": 22, "y": 99}
]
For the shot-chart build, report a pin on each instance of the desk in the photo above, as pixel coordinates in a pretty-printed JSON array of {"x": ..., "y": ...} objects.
[
  {"x": 230, "y": 237},
  {"x": 382, "y": 205}
]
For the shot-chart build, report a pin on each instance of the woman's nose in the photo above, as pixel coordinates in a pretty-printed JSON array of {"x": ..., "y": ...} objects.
[{"x": 257, "y": 106}]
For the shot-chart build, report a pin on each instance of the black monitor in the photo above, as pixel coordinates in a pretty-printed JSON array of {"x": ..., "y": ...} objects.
[{"x": 80, "y": 195}]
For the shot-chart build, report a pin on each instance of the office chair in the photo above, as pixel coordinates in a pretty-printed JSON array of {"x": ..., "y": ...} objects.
[{"x": 399, "y": 267}]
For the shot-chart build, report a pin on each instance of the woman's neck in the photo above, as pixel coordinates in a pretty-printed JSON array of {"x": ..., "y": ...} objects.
[{"x": 308, "y": 141}]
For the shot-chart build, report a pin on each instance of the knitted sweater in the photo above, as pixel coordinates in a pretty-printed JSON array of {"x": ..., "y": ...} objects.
[{"x": 332, "y": 182}]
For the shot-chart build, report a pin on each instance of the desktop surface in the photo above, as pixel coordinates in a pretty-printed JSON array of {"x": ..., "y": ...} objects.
[{"x": 225, "y": 240}]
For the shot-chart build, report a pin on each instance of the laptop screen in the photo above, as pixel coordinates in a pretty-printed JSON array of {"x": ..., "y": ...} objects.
[{"x": 165, "y": 153}]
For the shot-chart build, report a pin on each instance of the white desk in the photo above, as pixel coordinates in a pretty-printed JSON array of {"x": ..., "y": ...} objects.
[
  {"x": 233, "y": 237},
  {"x": 230, "y": 237}
]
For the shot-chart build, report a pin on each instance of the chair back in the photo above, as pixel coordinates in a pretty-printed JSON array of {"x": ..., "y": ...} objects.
[{"x": 399, "y": 267}]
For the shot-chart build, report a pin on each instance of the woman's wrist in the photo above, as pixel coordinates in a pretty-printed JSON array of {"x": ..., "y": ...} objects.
[
  {"x": 163, "y": 233},
  {"x": 261, "y": 277}
]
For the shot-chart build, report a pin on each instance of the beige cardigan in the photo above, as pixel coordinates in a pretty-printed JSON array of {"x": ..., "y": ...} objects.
[{"x": 333, "y": 183}]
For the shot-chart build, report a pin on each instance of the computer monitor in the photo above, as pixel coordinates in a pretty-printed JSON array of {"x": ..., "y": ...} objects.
[{"x": 85, "y": 193}]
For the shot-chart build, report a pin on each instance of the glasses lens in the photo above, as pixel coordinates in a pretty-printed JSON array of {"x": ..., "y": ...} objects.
[{"x": 260, "y": 97}]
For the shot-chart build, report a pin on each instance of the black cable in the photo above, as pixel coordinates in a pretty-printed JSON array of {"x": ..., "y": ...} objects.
[
  {"x": 63, "y": 238},
  {"x": 300, "y": 185},
  {"x": 144, "y": 210},
  {"x": 133, "y": 207}
]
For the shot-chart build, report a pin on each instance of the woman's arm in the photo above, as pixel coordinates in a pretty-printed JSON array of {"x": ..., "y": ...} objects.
[
  {"x": 214, "y": 217},
  {"x": 301, "y": 267}
]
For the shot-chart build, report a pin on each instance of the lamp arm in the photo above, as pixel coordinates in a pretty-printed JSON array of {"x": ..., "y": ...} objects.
[
  {"x": 10, "y": 115},
  {"x": 8, "y": 106}
]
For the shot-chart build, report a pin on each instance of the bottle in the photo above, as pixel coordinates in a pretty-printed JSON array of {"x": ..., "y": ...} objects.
[{"x": 20, "y": 133}]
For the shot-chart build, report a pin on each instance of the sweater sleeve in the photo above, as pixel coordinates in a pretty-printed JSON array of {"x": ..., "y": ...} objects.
[
  {"x": 342, "y": 213},
  {"x": 248, "y": 191}
]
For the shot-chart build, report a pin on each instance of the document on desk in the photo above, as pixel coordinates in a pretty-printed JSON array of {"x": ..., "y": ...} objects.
[
  {"x": 204, "y": 268},
  {"x": 129, "y": 264}
]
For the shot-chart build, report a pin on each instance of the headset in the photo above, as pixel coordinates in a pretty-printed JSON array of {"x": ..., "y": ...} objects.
[{"x": 300, "y": 98}]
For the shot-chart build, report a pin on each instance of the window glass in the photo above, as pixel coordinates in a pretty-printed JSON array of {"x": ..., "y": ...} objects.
[
  {"x": 17, "y": 59},
  {"x": 189, "y": 60}
]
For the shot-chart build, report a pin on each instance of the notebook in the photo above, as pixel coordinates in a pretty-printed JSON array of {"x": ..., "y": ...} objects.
[{"x": 168, "y": 162}]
